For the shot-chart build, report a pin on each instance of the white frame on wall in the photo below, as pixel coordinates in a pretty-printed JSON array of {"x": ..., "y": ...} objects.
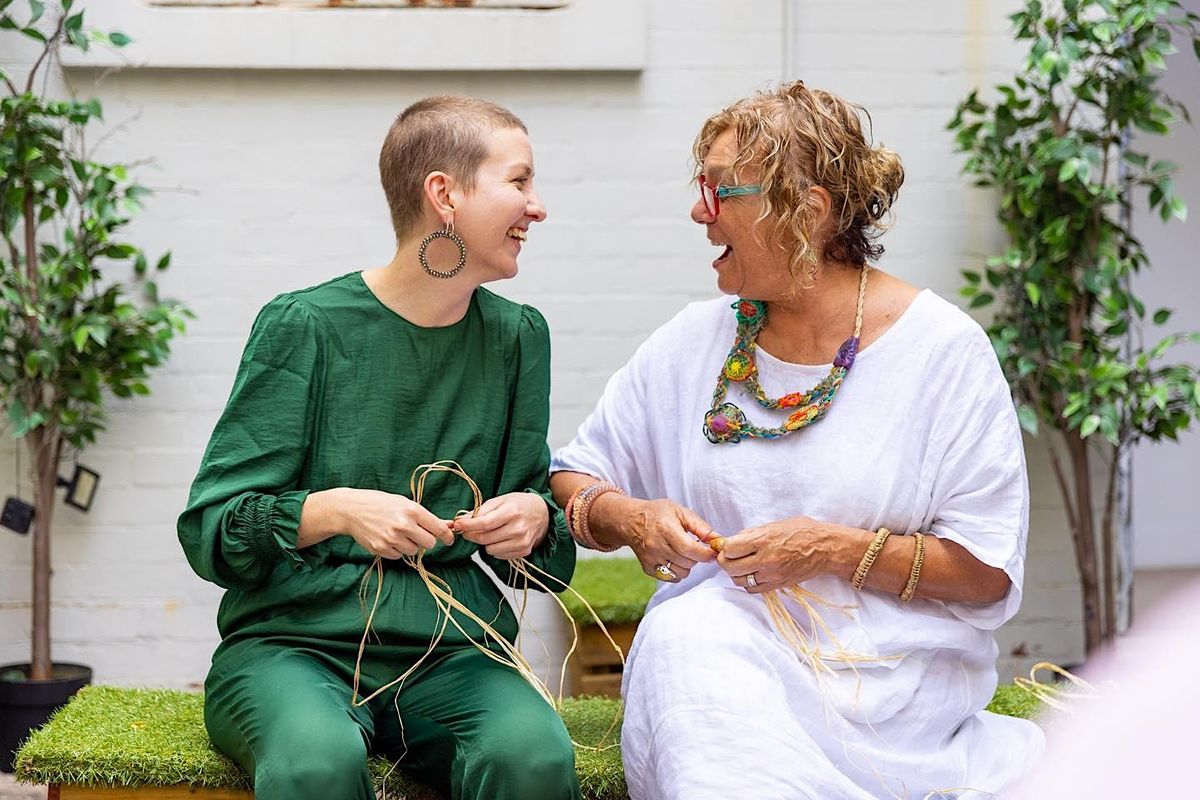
[{"x": 584, "y": 35}]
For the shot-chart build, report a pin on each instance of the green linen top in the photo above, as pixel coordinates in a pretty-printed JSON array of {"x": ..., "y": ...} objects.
[{"x": 335, "y": 389}]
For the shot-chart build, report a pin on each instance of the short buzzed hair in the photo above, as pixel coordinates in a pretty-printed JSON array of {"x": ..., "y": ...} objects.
[{"x": 446, "y": 133}]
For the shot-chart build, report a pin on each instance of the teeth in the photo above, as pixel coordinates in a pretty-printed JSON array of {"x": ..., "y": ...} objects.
[{"x": 517, "y": 233}]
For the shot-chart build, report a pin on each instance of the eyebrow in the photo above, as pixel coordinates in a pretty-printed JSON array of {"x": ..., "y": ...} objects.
[
  {"x": 523, "y": 169},
  {"x": 716, "y": 172}
]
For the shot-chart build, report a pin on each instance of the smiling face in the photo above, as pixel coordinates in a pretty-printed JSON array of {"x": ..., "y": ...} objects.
[
  {"x": 494, "y": 215},
  {"x": 749, "y": 265}
]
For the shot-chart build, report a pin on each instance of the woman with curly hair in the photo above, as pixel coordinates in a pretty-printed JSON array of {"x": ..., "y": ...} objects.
[{"x": 852, "y": 440}]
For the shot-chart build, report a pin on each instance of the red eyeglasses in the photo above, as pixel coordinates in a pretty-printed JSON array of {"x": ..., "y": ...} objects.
[{"x": 712, "y": 195}]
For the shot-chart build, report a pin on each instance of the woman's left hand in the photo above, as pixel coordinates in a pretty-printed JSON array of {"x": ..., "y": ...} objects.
[
  {"x": 508, "y": 526},
  {"x": 778, "y": 554}
]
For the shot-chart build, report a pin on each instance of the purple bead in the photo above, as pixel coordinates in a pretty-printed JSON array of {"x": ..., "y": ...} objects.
[
  {"x": 719, "y": 424},
  {"x": 846, "y": 353}
]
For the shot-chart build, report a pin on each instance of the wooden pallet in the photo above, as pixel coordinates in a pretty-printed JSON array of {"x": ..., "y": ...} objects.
[
  {"x": 595, "y": 667},
  {"x": 60, "y": 791}
]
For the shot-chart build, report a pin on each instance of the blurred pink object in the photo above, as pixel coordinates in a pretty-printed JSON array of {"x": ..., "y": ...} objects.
[{"x": 1136, "y": 738}]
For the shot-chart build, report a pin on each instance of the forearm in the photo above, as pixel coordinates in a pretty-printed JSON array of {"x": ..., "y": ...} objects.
[
  {"x": 320, "y": 518},
  {"x": 608, "y": 514},
  {"x": 949, "y": 572}
]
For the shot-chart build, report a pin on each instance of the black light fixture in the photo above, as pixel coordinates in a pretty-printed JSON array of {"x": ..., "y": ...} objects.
[
  {"x": 17, "y": 515},
  {"x": 81, "y": 491}
]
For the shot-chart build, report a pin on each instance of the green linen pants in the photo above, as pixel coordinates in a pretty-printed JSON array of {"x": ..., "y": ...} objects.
[{"x": 466, "y": 725}]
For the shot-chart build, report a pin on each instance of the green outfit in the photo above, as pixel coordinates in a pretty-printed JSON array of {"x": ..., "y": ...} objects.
[{"x": 335, "y": 389}]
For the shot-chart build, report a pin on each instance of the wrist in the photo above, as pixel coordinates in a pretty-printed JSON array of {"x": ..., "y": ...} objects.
[
  {"x": 321, "y": 517},
  {"x": 845, "y": 547},
  {"x": 604, "y": 518}
]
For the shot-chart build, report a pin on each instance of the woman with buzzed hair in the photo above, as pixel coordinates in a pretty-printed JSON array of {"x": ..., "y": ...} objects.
[
  {"x": 852, "y": 440},
  {"x": 344, "y": 389}
]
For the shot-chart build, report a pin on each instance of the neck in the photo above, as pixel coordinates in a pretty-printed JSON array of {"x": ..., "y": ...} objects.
[
  {"x": 809, "y": 324},
  {"x": 404, "y": 287},
  {"x": 829, "y": 303}
]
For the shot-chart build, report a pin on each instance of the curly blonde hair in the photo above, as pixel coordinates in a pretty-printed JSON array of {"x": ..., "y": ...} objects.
[{"x": 799, "y": 138}]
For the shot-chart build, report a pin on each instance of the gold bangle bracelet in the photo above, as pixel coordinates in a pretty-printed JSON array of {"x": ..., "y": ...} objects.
[
  {"x": 868, "y": 559},
  {"x": 914, "y": 575}
]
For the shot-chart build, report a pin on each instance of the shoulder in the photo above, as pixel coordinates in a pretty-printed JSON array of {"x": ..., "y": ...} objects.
[
  {"x": 515, "y": 320},
  {"x": 311, "y": 306},
  {"x": 943, "y": 326},
  {"x": 697, "y": 322}
]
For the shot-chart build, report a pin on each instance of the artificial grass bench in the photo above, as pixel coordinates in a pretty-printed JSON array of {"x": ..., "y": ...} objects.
[
  {"x": 137, "y": 744},
  {"x": 110, "y": 744}
]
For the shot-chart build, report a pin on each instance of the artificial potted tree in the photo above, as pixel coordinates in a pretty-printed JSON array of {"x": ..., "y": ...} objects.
[
  {"x": 72, "y": 328},
  {"x": 1073, "y": 337}
]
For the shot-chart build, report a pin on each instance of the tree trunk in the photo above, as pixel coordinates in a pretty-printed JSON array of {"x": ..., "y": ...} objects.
[
  {"x": 1085, "y": 542},
  {"x": 45, "y": 445},
  {"x": 1108, "y": 533}
]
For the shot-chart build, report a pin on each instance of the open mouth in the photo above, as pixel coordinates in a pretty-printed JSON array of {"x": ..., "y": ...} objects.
[
  {"x": 517, "y": 233},
  {"x": 725, "y": 254}
]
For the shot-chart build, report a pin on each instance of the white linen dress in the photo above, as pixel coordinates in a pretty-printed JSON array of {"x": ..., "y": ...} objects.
[{"x": 922, "y": 436}]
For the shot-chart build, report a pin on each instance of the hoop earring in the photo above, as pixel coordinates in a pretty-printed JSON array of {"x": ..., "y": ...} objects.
[{"x": 444, "y": 233}]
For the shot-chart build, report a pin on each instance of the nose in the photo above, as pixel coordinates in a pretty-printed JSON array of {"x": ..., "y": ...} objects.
[
  {"x": 535, "y": 209},
  {"x": 701, "y": 214}
]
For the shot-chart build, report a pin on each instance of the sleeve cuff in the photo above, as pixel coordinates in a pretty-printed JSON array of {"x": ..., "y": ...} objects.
[{"x": 273, "y": 522}]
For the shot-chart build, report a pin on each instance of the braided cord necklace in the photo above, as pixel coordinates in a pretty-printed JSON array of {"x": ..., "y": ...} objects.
[{"x": 725, "y": 422}]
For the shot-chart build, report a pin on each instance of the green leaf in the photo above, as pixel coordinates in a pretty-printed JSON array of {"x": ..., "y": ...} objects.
[
  {"x": 1089, "y": 426},
  {"x": 1028, "y": 419},
  {"x": 1068, "y": 169},
  {"x": 16, "y": 411},
  {"x": 37, "y": 8},
  {"x": 119, "y": 39},
  {"x": 1034, "y": 292},
  {"x": 982, "y": 299},
  {"x": 80, "y": 338},
  {"x": 1137, "y": 159},
  {"x": 1178, "y": 209},
  {"x": 1161, "y": 316},
  {"x": 74, "y": 22}
]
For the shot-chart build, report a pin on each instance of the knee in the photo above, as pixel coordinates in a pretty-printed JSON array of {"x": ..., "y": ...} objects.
[
  {"x": 693, "y": 622},
  {"x": 530, "y": 761},
  {"x": 311, "y": 764}
]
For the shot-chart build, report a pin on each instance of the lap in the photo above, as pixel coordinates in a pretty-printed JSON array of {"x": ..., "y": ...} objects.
[
  {"x": 269, "y": 696},
  {"x": 477, "y": 701},
  {"x": 286, "y": 716},
  {"x": 473, "y": 727}
]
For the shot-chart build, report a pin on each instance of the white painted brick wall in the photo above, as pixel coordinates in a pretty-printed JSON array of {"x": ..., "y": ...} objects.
[{"x": 267, "y": 182}]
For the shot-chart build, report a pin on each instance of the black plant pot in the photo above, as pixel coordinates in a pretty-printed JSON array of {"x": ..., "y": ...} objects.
[{"x": 26, "y": 705}]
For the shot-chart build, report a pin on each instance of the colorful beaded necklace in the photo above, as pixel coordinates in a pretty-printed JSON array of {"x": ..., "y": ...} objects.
[{"x": 725, "y": 422}]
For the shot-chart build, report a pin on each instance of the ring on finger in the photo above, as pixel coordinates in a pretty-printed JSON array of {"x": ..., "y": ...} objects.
[
  {"x": 664, "y": 572},
  {"x": 751, "y": 581}
]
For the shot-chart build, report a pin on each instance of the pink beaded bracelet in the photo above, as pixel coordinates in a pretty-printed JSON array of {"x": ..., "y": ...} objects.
[{"x": 580, "y": 506}]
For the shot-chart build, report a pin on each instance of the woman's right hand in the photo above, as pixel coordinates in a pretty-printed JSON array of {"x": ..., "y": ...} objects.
[
  {"x": 658, "y": 531},
  {"x": 385, "y": 525}
]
